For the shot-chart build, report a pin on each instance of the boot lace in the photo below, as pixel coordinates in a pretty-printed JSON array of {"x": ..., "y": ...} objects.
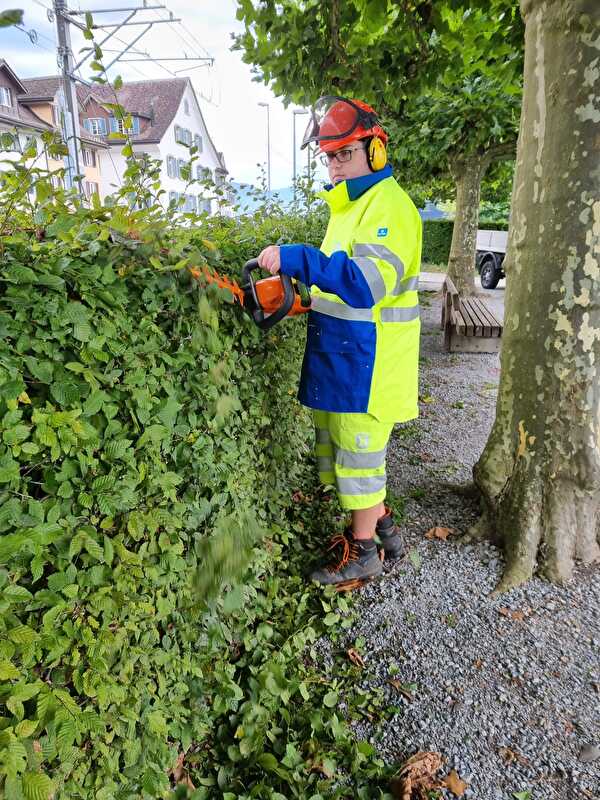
[{"x": 348, "y": 551}]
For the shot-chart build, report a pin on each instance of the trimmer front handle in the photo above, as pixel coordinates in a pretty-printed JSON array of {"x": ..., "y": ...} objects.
[{"x": 254, "y": 307}]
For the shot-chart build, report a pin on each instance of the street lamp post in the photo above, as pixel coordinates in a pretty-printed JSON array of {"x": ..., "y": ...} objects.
[
  {"x": 266, "y": 105},
  {"x": 295, "y": 112}
]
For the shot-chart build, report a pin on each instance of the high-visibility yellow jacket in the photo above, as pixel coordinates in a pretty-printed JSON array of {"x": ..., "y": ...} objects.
[{"x": 362, "y": 348}]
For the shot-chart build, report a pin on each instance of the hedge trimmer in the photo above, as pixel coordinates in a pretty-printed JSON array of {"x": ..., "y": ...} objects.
[{"x": 268, "y": 300}]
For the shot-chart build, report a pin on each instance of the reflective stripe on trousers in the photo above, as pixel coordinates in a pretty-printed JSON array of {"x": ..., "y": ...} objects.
[{"x": 351, "y": 451}]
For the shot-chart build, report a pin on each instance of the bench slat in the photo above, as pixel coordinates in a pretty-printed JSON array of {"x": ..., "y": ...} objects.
[
  {"x": 483, "y": 327},
  {"x": 492, "y": 320},
  {"x": 473, "y": 326},
  {"x": 460, "y": 322}
]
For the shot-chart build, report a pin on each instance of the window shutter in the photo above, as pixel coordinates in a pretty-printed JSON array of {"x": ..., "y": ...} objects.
[{"x": 136, "y": 125}]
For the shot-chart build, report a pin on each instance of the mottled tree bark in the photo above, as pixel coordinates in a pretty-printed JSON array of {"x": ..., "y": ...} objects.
[
  {"x": 540, "y": 471},
  {"x": 467, "y": 174}
]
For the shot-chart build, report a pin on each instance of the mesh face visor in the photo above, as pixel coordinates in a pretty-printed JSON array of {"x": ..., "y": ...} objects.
[{"x": 333, "y": 118}]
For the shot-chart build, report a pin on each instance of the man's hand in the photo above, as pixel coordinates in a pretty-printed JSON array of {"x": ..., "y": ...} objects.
[{"x": 270, "y": 259}]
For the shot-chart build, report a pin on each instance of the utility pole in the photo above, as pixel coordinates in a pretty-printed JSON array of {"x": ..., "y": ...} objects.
[
  {"x": 68, "y": 101},
  {"x": 266, "y": 105},
  {"x": 69, "y": 110},
  {"x": 295, "y": 113}
]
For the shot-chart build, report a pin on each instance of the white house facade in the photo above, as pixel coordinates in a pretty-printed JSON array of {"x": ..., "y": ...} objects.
[{"x": 166, "y": 121}]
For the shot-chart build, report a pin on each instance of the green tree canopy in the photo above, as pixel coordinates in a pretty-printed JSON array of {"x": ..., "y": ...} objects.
[{"x": 446, "y": 80}]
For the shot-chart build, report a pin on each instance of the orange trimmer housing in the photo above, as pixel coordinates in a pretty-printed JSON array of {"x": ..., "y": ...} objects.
[{"x": 267, "y": 300}]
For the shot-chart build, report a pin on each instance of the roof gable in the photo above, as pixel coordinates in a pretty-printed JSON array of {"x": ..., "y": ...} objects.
[{"x": 4, "y": 66}]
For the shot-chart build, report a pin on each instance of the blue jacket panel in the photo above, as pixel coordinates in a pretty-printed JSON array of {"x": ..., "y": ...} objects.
[
  {"x": 338, "y": 364},
  {"x": 337, "y": 273}
]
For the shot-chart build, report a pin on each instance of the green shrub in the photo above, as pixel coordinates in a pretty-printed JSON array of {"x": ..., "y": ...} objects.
[{"x": 140, "y": 422}]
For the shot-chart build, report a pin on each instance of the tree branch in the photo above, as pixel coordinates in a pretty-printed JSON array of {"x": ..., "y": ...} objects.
[{"x": 502, "y": 150}]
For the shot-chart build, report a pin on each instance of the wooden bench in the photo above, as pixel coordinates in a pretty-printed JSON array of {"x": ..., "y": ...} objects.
[{"x": 469, "y": 325}]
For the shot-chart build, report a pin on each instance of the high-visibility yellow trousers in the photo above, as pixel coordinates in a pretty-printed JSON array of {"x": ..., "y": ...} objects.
[{"x": 351, "y": 451}]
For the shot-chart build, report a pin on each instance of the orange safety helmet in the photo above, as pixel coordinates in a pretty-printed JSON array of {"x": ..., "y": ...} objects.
[{"x": 336, "y": 121}]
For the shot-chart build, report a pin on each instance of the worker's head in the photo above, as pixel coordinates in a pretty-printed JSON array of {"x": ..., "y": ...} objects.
[{"x": 349, "y": 137}]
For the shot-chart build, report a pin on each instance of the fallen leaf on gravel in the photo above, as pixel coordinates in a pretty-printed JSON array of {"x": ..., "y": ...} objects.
[
  {"x": 403, "y": 688},
  {"x": 417, "y": 777},
  {"x": 478, "y": 664},
  {"x": 439, "y": 533},
  {"x": 455, "y": 784},
  {"x": 589, "y": 753},
  {"x": 427, "y": 398},
  {"x": 507, "y": 612},
  {"x": 355, "y": 657},
  {"x": 522, "y": 795},
  {"x": 509, "y": 756},
  {"x": 415, "y": 559}
]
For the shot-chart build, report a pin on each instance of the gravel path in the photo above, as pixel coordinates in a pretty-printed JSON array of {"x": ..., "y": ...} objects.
[{"x": 507, "y": 690}]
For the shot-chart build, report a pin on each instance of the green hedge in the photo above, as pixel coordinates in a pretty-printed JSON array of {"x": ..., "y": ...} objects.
[
  {"x": 437, "y": 238},
  {"x": 148, "y": 435}
]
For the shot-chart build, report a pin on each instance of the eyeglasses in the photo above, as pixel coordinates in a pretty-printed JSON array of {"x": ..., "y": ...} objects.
[{"x": 342, "y": 156}]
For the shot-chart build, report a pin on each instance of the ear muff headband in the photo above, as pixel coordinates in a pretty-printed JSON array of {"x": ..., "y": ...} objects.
[{"x": 376, "y": 154}]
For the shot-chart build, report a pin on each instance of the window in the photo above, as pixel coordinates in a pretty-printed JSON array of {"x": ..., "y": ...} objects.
[
  {"x": 183, "y": 135},
  {"x": 5, "y": 96},
  {"x": 95, "y": 125},
  {"x": 57, "y": 181},
  {"x": 181, "y": 169},
  {"x": 90, "y": 188},
  {"x": 172, "y": 197},
  {"x": 118, "y": 126},
  {"x": 172, "y": 167},
  {"x": 198, "y": 142},
  {"x": 203, "y": 205},
  {"x": 186, "y": 107},
  {"x": 89, "y": 157}
]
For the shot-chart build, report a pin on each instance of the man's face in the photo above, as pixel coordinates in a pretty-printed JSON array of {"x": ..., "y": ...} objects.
[{"x": 354, "y": 168}]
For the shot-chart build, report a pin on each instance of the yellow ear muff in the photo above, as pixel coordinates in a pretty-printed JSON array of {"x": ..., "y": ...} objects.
[{"x": 376, "y": 154}]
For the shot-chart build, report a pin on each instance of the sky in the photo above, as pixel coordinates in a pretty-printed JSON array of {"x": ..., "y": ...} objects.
[{"x": 227, "y": 94}]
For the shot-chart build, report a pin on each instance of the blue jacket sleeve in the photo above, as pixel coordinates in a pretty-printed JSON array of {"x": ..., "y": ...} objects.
[{"x": 337, "y": 273}]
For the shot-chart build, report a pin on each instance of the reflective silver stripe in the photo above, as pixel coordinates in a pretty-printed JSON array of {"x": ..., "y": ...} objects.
[
  {"x": 410, "y": 284},
  {"x": 323, "y": 436},
  {"x": 399, "y": 314},
  {"x": 324, "y": 464},
  {"x": 341, "y": 310},
  {"x": 385, "y": 254},
  {"x": 361, "y": 485},
  {"x": 372, "y": 276},
  {"x": 350, "y": 460}
]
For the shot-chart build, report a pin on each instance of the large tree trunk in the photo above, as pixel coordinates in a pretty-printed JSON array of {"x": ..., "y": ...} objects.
[
  {"x": 467, "y": 173},
  {"x": 540, "y": 470}
]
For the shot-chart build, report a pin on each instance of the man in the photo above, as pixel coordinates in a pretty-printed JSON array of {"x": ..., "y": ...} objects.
[{"x": 360, "y": 369}]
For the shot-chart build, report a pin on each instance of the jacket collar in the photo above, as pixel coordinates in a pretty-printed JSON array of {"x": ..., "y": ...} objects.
[{"x": 346, "y": 191}]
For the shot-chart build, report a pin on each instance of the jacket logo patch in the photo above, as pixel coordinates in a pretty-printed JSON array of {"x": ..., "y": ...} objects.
[
  {"x": 362, "y": 441},
  {"x": 382, "y": 232}
]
